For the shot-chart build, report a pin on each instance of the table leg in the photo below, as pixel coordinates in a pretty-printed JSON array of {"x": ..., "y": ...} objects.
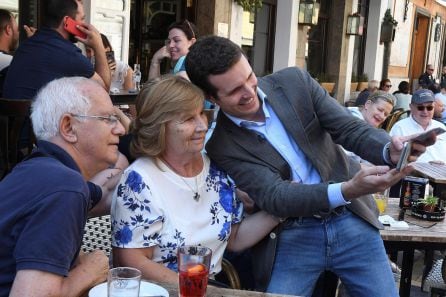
[{"x": 406, "y": 273}]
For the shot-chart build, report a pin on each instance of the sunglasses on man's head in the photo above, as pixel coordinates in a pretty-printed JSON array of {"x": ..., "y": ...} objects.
[{"x": 422, "y": 107}]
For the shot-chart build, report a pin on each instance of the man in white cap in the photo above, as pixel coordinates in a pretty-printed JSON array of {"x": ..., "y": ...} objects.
[{"x": 420, "y": 120}]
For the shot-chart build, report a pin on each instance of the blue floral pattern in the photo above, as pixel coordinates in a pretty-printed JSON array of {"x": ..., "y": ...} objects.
[{"x": 154, "y": 208}]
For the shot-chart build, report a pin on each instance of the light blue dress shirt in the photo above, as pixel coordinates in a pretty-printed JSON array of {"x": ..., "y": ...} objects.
[{"x": 301, "y": 168}]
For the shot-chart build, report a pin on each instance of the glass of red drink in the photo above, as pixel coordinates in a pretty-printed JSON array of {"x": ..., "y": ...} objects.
[{"x": 193, "y": 267}]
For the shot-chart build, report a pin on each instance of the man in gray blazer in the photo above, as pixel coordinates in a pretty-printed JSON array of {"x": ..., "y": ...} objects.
[{"x": 278, "y": 138}]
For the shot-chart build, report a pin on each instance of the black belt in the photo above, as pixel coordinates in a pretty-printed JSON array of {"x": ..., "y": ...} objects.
[
  {"x": 336, "y": 211},
  {"x": 322, "y": 216}
]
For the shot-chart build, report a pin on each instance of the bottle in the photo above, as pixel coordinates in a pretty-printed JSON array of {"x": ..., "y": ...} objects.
[
  {"x": 407, "y": 196},
  {"x": 137, "y": 77}
]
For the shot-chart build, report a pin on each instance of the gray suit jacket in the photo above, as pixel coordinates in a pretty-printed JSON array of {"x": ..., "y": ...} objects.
[{"x": 317, "y": 123}]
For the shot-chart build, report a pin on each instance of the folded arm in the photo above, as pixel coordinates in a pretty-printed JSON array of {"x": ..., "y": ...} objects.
[{"x": 91, "y": 270}]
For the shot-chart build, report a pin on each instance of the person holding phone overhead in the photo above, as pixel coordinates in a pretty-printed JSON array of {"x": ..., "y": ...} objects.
[{"x": 50, "y": 53}]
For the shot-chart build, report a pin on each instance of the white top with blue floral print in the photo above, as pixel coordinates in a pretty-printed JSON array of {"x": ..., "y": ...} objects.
[{"x": 153, "y": 207}]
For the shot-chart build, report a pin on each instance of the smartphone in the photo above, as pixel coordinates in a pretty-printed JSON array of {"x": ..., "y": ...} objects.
[
  {"x": 426, "y": 136},
  {"x": 70, "y": 26},
  {"x": 110, "y": 56},
  {"x": 404, "y": 157}
]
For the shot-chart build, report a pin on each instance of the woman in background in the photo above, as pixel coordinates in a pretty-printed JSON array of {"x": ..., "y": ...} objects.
[{"x": 181, "y": 36}]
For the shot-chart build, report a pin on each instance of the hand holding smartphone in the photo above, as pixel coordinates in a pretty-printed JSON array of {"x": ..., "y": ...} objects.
[{"x": 70, "y": 26}]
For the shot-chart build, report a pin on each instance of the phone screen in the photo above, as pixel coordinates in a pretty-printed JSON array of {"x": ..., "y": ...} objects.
[
  {"x": 110, "y": 56},
  {"x": 70, "y": 26}
]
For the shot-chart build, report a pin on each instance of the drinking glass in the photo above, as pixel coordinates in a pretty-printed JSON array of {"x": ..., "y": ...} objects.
[
  {"x": 123, "y": 282},
  {"x": 193, "y": 267},
  {"x": 381, "y": 199}
]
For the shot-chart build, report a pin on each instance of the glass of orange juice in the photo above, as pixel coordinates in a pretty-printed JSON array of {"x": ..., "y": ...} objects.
[{"x": 381, "y": 199}]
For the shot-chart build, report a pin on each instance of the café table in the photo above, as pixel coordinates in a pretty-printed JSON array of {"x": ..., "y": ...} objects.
[
  {"x": 421, "y": 235},
  {"x": 123, "y": 97},
  {"x": 221, "y": 292}
]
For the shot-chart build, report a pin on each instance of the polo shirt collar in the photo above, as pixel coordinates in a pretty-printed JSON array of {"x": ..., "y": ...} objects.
[{"x": 58, "y": 153}]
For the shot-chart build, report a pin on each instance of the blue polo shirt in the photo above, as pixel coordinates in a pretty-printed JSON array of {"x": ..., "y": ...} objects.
[
  {"x": 43, "y": 210},
  {"x": 40, "y": 59}
]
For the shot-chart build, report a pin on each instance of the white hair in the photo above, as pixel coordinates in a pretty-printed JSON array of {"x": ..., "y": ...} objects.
[{"x": 59, "y": 97}]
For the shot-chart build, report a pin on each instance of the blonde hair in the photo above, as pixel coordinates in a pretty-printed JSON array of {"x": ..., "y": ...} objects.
[{"x": 157, "y": 104}]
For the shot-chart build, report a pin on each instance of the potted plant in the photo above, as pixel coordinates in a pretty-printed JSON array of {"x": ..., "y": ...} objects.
[
  {"x": 429, "y": 203},
  {"x": 363, "y": 82},
  {"x": 354, "y": 83},
  {"x": 428, "y": 209},
  {"x": 326, "y": 82}
]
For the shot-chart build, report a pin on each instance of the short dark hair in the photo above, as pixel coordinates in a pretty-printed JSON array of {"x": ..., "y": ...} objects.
[
  {"x": 403, "y": 87},
  {"x": 211, "y": 55},
  {"x": 55, "y": 10},
  {"x": 383, "y": 82},
  {"x": 189, "y": 29},
  {"x": 5, "y": 19}
]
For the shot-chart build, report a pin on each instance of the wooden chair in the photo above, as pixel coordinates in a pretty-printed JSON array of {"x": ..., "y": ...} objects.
[
  {"x": 13, "y": 114},
  {"x": 393, "y": 118}
]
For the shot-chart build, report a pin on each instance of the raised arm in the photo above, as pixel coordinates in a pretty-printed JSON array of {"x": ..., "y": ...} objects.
[{"x": 94, "y": 41}]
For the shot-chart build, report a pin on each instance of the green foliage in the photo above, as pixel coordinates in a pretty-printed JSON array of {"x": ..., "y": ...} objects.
[
  {"x": 429, "y": 200},
  {"x": 363, "y": 77},
  {"x": 249, "y": 5},
  {"x": 354, "y": 78},
  {"x": 388, "y": 18}
]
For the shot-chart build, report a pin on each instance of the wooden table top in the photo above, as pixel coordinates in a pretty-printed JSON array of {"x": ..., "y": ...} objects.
[
  {"x": 432, "y": 232},
  {"x": 220, "y": 292},
  {"x": 434, "y": 172}
]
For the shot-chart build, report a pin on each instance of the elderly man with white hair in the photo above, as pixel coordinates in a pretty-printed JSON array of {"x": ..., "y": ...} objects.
[{"x": 46, "y": 199}]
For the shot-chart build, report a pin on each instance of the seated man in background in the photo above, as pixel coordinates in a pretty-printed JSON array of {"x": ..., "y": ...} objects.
[
  {"x": 9, "y": 38},
  {"x": 420, "y": 120},
  {"x": 426, "y": 79},
  {"x": 50, "y": 53},
  {"x": 46, "y": 199},
  {"x": 439, "y": 111}
]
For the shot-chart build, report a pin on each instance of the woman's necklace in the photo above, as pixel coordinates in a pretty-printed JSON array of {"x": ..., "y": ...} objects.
[{"x": 195, "y": 191}]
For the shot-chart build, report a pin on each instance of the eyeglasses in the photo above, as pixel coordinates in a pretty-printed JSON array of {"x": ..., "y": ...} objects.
[
  {"x": 112, "y": 119},
  {"x": 422, "y": 107},
  {"x": 388, "y": 86},
  {"x": 431, "y": 69}
]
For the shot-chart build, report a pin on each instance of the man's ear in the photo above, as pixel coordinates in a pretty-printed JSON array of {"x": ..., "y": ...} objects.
[
  {"x": 8, "y": 29},
  {"x": 67, "y": 129}
]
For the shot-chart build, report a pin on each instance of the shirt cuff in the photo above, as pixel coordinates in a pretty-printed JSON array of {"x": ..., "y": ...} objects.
[
  {"x": 386, "y": 155},
  {"x": 335, "y": 197}
]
